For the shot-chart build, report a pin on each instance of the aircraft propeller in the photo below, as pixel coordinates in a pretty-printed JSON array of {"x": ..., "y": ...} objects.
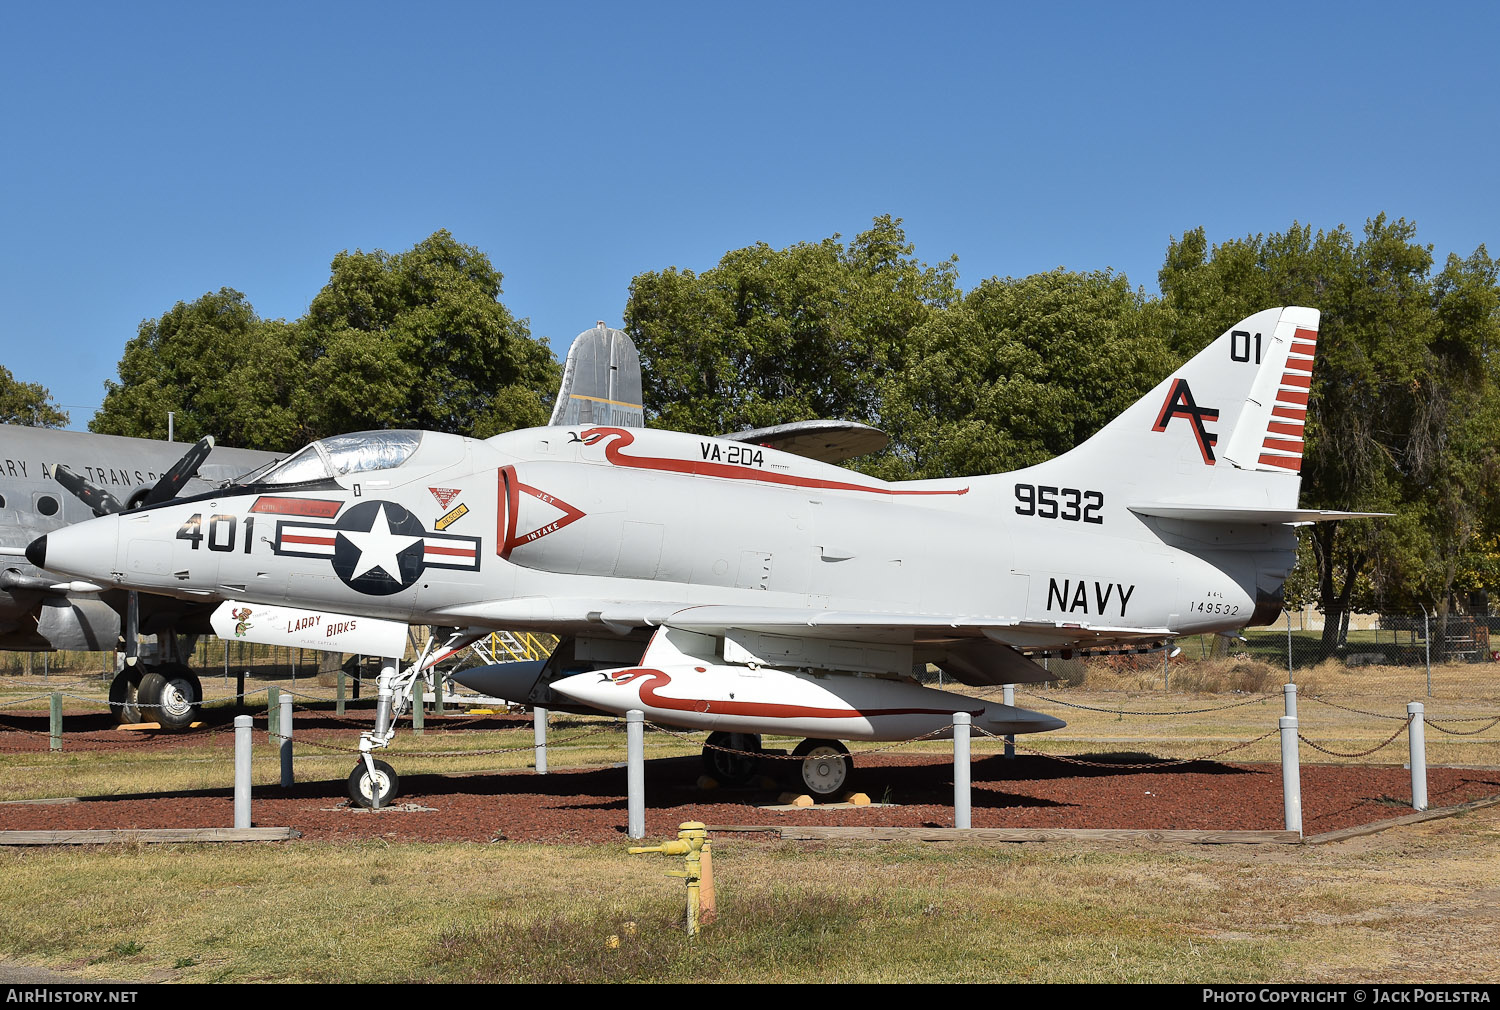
[
  {"x": 174, "y": 480},
  {"x": 133, "y": 688}
]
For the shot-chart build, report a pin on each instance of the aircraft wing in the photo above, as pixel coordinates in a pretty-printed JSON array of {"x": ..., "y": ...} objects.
[
  {"x": 916, "y": 629},
  {"x": 864, "y": 626}
]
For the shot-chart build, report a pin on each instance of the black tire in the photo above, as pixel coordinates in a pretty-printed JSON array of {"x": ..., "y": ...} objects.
[
  {"x": 825, "y": 767},
  {"x": 169, "y": 696},
  {"x": 124, "y": 703},
  {"x": 361, "y": 792},
  {"x": 732, "y": 769}
]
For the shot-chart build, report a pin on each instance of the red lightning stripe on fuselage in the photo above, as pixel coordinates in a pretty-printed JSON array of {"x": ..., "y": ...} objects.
[
  {"x": 698, "y": 468},
  {"x": 760, "y": 709}
]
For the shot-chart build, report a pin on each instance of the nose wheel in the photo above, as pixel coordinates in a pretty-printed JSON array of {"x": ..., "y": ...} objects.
[
  {"x": 825, "y": 766},
  {"x": 124, "y": 701},
  {"x": 373, "y": 791}
]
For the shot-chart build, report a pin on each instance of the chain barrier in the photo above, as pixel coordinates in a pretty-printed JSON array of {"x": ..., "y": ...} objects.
[
  {"x": 1356, "y": 711},
  {"x": 692, "y": 739},
  {"x": 1120, "y": 711},
  {"x": 1462, "y": 732},
  {"x": 303, "y": 741},
  {"x": 48, "y": 684},
  {"x": 1140, "y": 766},
  {"x": 1405, "y": 724},
  {"x": 24, "y": 701},
  {"x": 87, "y": 740}
]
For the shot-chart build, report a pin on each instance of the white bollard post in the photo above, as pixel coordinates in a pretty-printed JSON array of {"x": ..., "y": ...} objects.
[
  {"x": 961, "y": 723},
  {"x": 635, "y": 773},
  {"x": 286, "y": 741},
  {"x": 539, "y": 736},
  {"x": 1291, "y": 775},
  {"x": 1010, "y": 738},
  {"x": 242, "y": 725},
  {"x": 1416, "y": 734},
  {"x": 1290, "y": 690}
]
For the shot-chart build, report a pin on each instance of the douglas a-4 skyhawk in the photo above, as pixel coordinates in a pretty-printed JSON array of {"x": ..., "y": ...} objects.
[{"x": 725, "y": 586}]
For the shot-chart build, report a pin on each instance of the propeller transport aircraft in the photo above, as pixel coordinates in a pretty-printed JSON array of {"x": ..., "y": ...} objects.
[
  {"x": 722, "y": 585},
  {"x": 50, "y": 478}
]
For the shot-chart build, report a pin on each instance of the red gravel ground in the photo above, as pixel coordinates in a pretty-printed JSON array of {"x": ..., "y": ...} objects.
[{"x": 588, "y": 805}]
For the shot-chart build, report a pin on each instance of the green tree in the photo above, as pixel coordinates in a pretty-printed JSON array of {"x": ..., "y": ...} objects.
[
  {"x": 1402, "y": 397},
  {"x": 214, "y": 363},
  {"x": 775, "y": 335},
  {"x": 1021, "y": 371},
  {"x": 418, "y": 339},
  {"x": 27, "y": 403}
]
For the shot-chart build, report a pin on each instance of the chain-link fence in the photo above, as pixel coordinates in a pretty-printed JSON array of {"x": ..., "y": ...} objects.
[{"x": 1403, "y": 655}]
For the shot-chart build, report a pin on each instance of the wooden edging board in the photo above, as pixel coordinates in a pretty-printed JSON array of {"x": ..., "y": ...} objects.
[
  {"x": 986, "y": 835},
  {"x": 1396, "y": 822},
  {"x": 105, "y": 836}
]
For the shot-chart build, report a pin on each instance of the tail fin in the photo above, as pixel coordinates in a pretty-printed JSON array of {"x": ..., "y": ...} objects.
[
  {"x": 601, "y": 381},
  {"x": 1225, "y": 429}
]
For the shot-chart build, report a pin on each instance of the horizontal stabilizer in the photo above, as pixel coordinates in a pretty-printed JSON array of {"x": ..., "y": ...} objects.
[
  {"x": 1232, "y": 514},
  {"x": 825, "y": 441}
]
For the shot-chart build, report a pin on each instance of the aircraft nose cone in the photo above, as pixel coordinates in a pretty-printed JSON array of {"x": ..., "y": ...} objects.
[{"x": 36, "y": 552}]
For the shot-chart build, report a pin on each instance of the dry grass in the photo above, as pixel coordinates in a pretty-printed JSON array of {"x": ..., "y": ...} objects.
[
  {"x": 1417, "y": 904},
  {"x": 1354, "y": 911}
]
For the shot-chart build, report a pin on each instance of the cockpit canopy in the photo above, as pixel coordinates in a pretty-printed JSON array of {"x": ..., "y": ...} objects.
[{"x": 340, "y": 455}]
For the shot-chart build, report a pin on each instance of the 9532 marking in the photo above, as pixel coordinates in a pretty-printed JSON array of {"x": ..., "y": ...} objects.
[
  {"x": 1213, "y": 607},
  {"x": 1066, "y": 503}
]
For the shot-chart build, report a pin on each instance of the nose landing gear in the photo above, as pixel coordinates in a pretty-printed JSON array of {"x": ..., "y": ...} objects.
[{"x": 373, "y": 784}]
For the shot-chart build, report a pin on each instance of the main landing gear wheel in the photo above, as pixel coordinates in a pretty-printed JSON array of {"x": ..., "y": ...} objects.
[
  {"x": 169, "y": 695},
  {"x": 732, "y": 769},
  {"x": 124, "y": 702},
  {"x": 825, "y": 767},
  {"x": 364, "y": 792}
]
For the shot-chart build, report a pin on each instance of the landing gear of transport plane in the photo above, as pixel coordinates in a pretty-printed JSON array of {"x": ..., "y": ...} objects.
[
  {"x": 722, "y": 762},
  {"x": 124, "y": 701},
  {"x": 169, "y": 695},
  {"x": 825, "y": 766}
]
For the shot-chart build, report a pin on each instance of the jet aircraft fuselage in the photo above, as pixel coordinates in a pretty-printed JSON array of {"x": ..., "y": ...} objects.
[{"x": 576, "y": 528}]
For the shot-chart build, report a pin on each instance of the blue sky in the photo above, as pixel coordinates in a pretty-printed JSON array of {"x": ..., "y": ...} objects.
[{"x": 153, "y": 152}]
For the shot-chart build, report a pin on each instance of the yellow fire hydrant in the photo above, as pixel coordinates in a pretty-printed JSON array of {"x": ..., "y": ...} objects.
[{"x": 693, "y": 844}]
